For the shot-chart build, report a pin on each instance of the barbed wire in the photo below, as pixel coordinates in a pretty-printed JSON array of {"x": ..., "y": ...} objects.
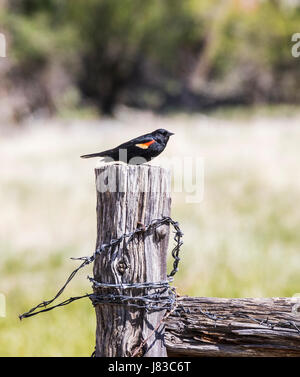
[
  {"x": 163, "y": 297},
  {"x": 155, "y": 296}
]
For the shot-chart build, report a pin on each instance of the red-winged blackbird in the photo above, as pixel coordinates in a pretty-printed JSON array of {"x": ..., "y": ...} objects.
[{"x": 138, "y": 150}]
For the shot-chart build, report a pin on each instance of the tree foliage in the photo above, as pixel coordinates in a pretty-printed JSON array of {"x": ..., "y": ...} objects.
[{"x": 158, "y": 53}]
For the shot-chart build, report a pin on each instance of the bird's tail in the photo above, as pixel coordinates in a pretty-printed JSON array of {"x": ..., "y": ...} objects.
[{"x": 99, "y": 154}]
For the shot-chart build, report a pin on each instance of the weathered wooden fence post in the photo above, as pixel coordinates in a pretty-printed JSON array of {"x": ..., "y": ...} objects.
[
  {"x": 129, "y": 196},
  {"x": 131, "y": 270}
]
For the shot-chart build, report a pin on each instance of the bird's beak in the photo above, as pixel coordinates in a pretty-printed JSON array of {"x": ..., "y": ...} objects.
[{"x": 171, "y": 133}]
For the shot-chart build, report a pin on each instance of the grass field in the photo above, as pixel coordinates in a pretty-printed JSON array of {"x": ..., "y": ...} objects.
[{"x": 242, "y": 240}]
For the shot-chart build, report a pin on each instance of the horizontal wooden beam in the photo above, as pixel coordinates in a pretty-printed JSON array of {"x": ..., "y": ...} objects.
[{"x": 205, "y": 326}]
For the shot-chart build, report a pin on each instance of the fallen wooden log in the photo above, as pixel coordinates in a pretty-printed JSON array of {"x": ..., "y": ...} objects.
[{"x": 234, "y": 327}]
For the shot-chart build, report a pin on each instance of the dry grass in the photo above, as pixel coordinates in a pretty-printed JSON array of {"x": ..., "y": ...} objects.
[{"x": 241, "y": 240}]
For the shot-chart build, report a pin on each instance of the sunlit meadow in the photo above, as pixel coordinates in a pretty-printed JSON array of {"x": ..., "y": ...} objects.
[{"x": 241, "y": 240}]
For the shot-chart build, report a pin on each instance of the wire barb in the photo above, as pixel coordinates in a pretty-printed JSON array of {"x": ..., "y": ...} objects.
[{"x": 163, "y": 298}]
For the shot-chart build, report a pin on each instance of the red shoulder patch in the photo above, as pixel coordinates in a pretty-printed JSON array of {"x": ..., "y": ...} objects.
[{"x": 145, "y": 145}]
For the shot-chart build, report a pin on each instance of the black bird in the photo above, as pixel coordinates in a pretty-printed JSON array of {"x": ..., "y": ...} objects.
[{"x": 137, "y": 151}]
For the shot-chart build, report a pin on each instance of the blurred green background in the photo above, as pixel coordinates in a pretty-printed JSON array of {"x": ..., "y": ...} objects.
[{"x": 85, "y": 75}]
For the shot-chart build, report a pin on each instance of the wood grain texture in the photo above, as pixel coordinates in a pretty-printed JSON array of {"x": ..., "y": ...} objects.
[
  {"x": 194, "y": 334},
  {"x": 126, "y": 196}
]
